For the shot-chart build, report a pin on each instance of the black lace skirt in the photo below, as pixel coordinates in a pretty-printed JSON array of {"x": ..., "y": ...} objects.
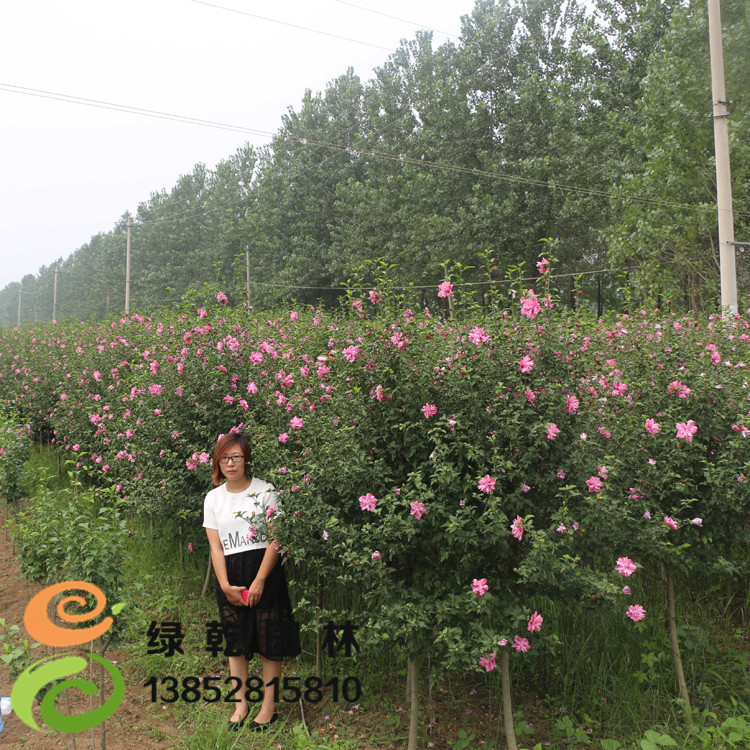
[{"x": 268, "y": 628}]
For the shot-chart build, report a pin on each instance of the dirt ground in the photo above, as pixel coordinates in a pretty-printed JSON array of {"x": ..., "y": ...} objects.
[{"x": 136, "y": 723}]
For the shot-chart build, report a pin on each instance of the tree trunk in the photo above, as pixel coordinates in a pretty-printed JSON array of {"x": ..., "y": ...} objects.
[
  {"x": 510, "y": 732},
  {"x": 668, "y": 578}
]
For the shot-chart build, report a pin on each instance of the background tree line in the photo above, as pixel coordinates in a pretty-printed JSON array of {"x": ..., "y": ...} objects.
[{"x": 471, "y": 147}]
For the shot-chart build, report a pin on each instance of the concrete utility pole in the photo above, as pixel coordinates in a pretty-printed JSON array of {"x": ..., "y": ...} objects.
[
  {"x": 127, "y": 271},
  {"x": 727, "y": 258},
  {"x": 19, "y": 307},
  {"x": 54, "y": 294}
]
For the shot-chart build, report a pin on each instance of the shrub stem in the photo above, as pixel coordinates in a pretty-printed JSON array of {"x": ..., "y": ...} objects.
[
  {"x": 510, "y": 732},
  {"x": 668, "y": 578},
  {"x": 413, "y": 681}
]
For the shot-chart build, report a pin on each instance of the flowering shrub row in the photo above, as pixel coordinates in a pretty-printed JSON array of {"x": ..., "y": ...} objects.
[
  {"x": 15, "y": 442},
  {"x": 450, "y": 470}
]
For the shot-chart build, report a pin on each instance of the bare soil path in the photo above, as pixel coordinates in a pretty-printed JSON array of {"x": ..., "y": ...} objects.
[{"x": 136, "y": 724}]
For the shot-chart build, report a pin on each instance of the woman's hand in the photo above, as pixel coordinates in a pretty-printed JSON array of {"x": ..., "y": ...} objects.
[
  {"x": 234, "y": 595},
  {"x": 255, "y": 592}
]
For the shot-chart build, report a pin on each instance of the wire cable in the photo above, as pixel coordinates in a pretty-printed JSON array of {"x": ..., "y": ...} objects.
[
  {"x": 292, "y": 25},
  {"x": 455, "y": 285},
  {"x": 396, "y": 18},
  {"x": 72, "y": 99},
  {"x": 400, "y": 158}
]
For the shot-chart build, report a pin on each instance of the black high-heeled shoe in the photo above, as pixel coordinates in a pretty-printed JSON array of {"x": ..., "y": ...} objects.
[
  {"x": 255, "y": 727},
  {"x": 235, "y": 726}
]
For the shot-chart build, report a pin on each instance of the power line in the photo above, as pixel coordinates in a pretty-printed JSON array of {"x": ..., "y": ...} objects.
[
  {"x": 455, "y": 285},
  {"x": 98, "y": 103},
  {"x": 292, "y": 25},
  {"x": 396, "y": 18},
  {"x": 400, "y": 158}
]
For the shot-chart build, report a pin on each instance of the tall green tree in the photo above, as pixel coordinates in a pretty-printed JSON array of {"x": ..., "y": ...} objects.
[
  {"x": 296, "y": 188},
  {"x": 675, "y": 244}
]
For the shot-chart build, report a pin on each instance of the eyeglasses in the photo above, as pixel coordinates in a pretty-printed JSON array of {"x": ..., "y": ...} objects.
[{"x": 233, "y": 459}]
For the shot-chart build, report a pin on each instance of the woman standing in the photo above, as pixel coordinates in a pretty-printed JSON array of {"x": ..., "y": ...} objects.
[{"x": 251, "y": 587}]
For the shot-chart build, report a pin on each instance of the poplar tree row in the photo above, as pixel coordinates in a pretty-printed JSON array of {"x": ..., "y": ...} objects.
[{"x": 611, "y": 97}]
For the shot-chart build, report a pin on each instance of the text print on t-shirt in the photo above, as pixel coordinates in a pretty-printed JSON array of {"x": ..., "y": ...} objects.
[{"x": 237, "y": 540}]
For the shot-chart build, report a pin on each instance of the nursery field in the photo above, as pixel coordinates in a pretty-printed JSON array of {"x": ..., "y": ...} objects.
[{"x": 534, "y": 524}]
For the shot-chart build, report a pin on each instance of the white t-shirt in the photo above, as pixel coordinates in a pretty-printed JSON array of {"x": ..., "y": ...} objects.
[{"x": 221, "y": 506}]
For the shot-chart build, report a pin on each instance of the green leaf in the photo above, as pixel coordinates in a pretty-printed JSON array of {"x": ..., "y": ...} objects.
[{"x": 659, "y": 739}]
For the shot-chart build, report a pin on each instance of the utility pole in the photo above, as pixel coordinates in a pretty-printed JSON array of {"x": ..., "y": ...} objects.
[
  {"x": 247, "y": 272},
  {"x": 19, "y": 307},
  {"x": 727, "y": 258},
  {"x": 127, "y": 271},
  {"x": 107, "y": 303},
  {"x": 54, "y": 293}
]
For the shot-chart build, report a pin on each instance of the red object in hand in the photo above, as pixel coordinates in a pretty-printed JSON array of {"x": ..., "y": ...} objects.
[{"x": 244, "y": 594}]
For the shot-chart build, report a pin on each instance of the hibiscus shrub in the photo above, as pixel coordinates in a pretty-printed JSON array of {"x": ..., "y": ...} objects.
[
  {"x": 453, "y": 472},
  {"x": 15, "y": 443}
]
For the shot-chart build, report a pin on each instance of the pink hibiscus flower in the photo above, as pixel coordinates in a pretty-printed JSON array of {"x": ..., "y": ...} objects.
[
  {"x": 652, "y": 426},
  {"x": 351, "y": 353},
  {"x": 535, "y": 622},
  {"x": 678, "y": 388},
  {"x": 445, "y": 289},
  {"x": 486, "y": 484},
  {"x": 594, "y": 484},
  {"x": 516, "y": 528},
  {"x": 686, "y": 430},
  {"x": 488, "y": 662},
  {"x": 429, "y": 410},
  {"x": 368, "y": 501},
  {"x": 478, "y": 336},
  {"x": 625, "y": 566},
  {"x": 530, "y": 306},
  {"x": 635, "y": 612},
  {"x": 526, "y": 364},
  {"x": 479, "y": 586},
  {"x": 521, "y": 644}
]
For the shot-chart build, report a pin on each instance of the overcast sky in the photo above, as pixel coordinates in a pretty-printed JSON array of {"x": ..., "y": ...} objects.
[{"x": 70, "y": 171}]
